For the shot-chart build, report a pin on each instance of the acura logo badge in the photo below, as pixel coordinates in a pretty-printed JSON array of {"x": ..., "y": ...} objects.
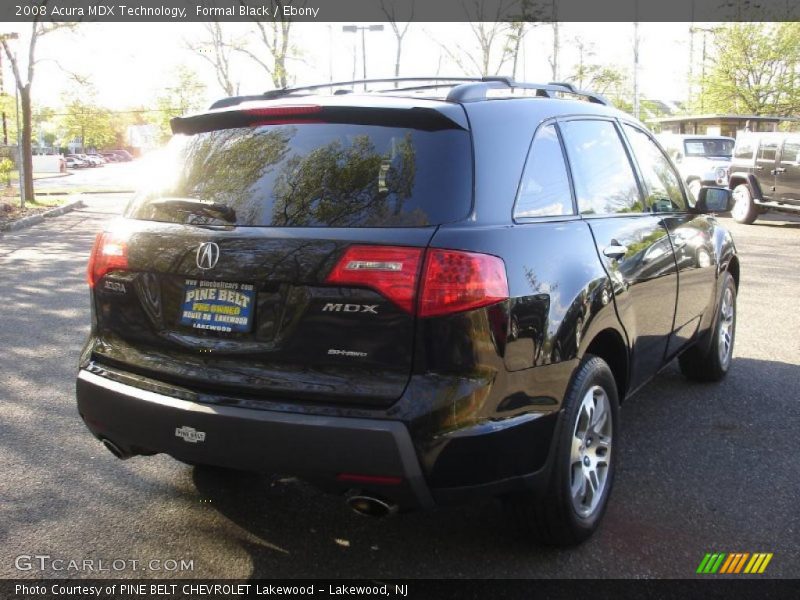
[{"x": 207, "y": 255}]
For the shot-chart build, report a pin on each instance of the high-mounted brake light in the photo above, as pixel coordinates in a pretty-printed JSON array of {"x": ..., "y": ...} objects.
[
  {"x": 109, "y": 253},
  {"x": 389, "y": 270},
  {"x": 281, "y": 115},
  {"x": 452, "y": 281},
  {"x": 284, "y": 111}
]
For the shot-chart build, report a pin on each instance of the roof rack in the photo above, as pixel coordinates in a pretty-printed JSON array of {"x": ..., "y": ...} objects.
[
  {"x": 464, "y": 89},
  {"x": 471, "y": 92},
  {"x": 279, "y": 93}
]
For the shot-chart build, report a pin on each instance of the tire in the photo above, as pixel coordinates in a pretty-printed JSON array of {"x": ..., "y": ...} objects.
[
  {"x": 559, "y": 517},
  {"x": 711, "y": 360},
  {"x": 744, "y": 208}
]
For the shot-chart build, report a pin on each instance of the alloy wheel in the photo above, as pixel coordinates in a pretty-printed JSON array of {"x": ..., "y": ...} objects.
[
  {"x": 590, "y": 453},
  {"x": 727, "y": 324}
]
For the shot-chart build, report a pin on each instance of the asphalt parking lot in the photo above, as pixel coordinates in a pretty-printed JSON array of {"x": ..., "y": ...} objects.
[{"x": 703, "y": 467}]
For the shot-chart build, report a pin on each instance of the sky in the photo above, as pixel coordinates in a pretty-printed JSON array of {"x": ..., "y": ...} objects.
[{"x": 130, "y": 63}]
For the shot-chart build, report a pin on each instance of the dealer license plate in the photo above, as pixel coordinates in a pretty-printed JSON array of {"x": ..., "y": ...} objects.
[{"x": 218, "y": 306}]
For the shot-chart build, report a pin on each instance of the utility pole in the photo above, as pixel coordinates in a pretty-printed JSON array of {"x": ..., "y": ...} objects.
[
  {"x": 21, "y": 160},
  {"x": 636, "y": 66},
  {"x": 704, "y": 31},
  {"x": 554, "y": 62},
  {"x": 690, "y": 76}
]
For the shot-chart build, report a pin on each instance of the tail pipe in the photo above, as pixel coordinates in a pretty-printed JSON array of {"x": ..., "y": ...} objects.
[
  {"x": 371, "y": 506},
  {"x": 115, "y": 450}
]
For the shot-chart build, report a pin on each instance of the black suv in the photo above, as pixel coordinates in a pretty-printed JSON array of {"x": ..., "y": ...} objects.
[
  {"x": 406, "y": 297},
  {"x": 765, "y": 175}
]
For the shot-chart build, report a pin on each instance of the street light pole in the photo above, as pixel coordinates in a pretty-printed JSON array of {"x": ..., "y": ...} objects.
[{"x": 363, "y": 30}]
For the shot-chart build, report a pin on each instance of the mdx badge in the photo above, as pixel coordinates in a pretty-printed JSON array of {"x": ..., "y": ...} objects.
[
  {"x": 351, "y": 308},
  {"x": 190, "y": 434},
  {"x": 207, "y": 255}
]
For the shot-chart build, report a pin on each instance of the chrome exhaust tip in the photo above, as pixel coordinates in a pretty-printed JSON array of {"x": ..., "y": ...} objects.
[
  {"x": 371, "y": 506},
  {"x": 114, "y": 449}
]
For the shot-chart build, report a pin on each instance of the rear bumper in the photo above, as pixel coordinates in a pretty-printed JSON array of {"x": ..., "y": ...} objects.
[{"x": 317, "y": 448}]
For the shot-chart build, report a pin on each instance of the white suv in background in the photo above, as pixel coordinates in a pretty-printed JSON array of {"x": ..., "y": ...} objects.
[{"x": 702, "y": 160}]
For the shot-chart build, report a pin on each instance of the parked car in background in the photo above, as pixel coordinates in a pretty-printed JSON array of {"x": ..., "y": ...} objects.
[
  {"x": 73, "y": 162},
  {"x": 98, "y": 157},
  {"x": 111, "y": 157},
  {"x": 95, "y": 161},
  {"x": 90, "y": 162},
  {"x": 372, "y": 301},
  {"x": 123, "y": 155},
  {"x": 702, "y": 160},
  {"x": 765, "y": 175}
]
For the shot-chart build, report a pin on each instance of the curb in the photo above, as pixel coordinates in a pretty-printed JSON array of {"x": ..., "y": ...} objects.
[
  {"x": 89, "y": 192},
  {"x": 36, "y": 219}
]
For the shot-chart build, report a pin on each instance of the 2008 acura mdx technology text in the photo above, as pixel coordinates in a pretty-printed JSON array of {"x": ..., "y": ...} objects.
[{"x": 408, "y": 297}]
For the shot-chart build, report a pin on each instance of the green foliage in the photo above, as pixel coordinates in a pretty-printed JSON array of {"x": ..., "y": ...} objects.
[
  {"x": 6, "y": 166},
  {"x": 84, "y": 120},
  {"x": 185, "y": 96},
  {"x": 8, "y": 106},
  {"x": 753, "y": 70}
]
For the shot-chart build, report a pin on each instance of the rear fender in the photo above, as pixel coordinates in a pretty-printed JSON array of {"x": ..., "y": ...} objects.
[{"x": 746, "y": 178}]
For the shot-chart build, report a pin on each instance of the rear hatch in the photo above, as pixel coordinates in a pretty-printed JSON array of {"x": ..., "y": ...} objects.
[{"x": 239, "y": 268}]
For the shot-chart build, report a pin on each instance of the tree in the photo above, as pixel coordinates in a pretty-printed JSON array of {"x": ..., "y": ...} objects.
[
  {"x": 603, "y": 79},
  {"x": 754, "y": 70},
  {"x": 216, "y": 49},
  {"x": 187, "y": 95},
  {"x": 273, "y": 40},
  {"x": 399, "y": 32},
  {"x": 24, "y": 85},
  {"x": 83, "y": 119},
  {"x": 491, "y": 35}
]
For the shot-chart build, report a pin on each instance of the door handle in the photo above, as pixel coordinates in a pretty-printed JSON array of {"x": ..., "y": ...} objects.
[{"x": 615, "y": 250}]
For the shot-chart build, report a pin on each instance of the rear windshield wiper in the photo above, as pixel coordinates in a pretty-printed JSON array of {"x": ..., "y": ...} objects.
[{"x": 194, "y": 211}]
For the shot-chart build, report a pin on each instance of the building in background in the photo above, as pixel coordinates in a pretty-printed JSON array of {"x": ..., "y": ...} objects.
[
  {"x": 143, "y": 138},
  {"x": 724, "y": 125}
]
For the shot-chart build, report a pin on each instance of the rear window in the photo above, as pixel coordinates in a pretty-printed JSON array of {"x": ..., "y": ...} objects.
[
  {"x": 311, "y": 175},
  {"x": 709, "y": 147}
]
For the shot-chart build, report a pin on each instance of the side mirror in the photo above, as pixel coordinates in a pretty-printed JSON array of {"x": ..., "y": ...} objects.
[
  {"x": 714, "y": 200},
  {"x": 678, "y": 157}
]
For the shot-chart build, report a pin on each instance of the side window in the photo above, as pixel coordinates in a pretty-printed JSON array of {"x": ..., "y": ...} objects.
[
  {"x": 790, "y": 154},
  {"x": 664, "y": 190},
  {"x": 767, "y": 151},
  {"x": 603, "y": 176},
  {"x": 544, "y": 190}
]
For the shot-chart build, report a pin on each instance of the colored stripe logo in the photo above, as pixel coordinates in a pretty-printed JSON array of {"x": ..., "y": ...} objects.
[{"x": 734, "y": 563}]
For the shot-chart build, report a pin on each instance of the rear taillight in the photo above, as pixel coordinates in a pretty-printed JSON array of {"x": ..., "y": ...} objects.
[
  {"x": 456, "y": 281},
  {"x": 452, "y": 281},
  {"x": 391, "y": 271},
  {"x": 109, "y": 253}
]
